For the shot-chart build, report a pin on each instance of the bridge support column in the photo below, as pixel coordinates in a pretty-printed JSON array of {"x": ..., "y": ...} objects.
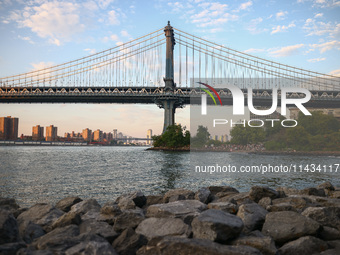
[{"x": 169, "y": 113}]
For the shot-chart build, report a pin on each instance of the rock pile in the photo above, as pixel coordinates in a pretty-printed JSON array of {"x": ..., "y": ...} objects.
[{"x": 214, "y": 220}]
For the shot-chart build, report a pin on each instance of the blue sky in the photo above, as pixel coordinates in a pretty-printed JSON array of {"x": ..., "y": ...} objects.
[{"x": 38, "y": 33}]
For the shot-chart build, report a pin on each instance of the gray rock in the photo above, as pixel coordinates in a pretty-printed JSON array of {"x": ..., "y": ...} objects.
[
  {"x": 178, "y": 194},
  {"x": 330, "y": 252},
  {"x": 327, "y": 216},
  {"x": 171, "y": 245},
  {"x": 303, "y": 246},
  {"x": 93, "y": 214},
  {"x": 218, "y": 189},
  {"x": 185, "y": 209},
  {"x": 328, "y": 234},
  {"x": 287, "y": 226},
  {"x": 326, "y": 185},
  {"x": 84, "y": 206},
  {"x": 59, "y": 239},
  {"x": 258, "y": 192},
  {"x": 289, "y": 191},
  {"x": 30, "y": 231},
  {"x": 313, "y": 192},
  {"x": 237, "y": 198},
  {"x": 203, "y": 195},
  {"x": 128, "y": 219},
  {"x": 92, "y": 247},
  {"x": 66, "y": 203},
  {"x": 42, "y": 214},
  {"x": 297, "y": 202},
  {"x": 323, "y": 201},
  {"x": 102, "y": 229},
  {"x": 110, "y": 208},
  {"x": 31, "y": 251},
  {"x": 156, "y": 227},
  {"x": 136, "y": 197},
  {"x": 264, "y": 244},
  {"x": 67, "y": 219},
  {"x": 154, "y": 199},
  {"x": 9, "y": 204},
  {"x": 216, "y": 225},
  {"x": 11, "y": 248},
  {"x": 265, "y": 201},
  {"x": 128, "y": 242},
  {"x": 9, "y": 231},
  {"x": 125, "y": 203},
  {"x": 281, "y": 207},
  {"x": 335, "y": 194},
  {"x": 253, "y": 216},
  {"x": 224, "y": 206}
]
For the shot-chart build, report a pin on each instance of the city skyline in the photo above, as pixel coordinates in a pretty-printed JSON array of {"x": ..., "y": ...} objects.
[{"x": 302, "y": 33}]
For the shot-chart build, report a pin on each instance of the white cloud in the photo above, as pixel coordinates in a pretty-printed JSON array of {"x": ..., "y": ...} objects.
[
  {"x": 41, "y": 65},
  {"x": 26, "y": 38},
  {"x": 253, "y": 28},
  {"x": 318, "y": 15},
  {"x": 252, "y": 50},
  {"x": 286, "y": 51},
  {"x": 125, "y": 33},
  {"x": 91, "y": 51},
  {"x": 113, "y": 17},
  {"x": 335, "y": 72},
  {"x": 53, "y": 20},
  {"x": 114, "y": 37},
  {"x": 323, "y": 47},
  {"x": 282, "y": 28},
  {"x": 313, "y": 60},
  {"x": 281, "y": 15},
  {"x": 245, "y": 6}
]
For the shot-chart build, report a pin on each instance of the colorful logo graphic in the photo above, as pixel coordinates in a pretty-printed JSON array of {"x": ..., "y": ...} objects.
[{"x": 209, "y": 93}]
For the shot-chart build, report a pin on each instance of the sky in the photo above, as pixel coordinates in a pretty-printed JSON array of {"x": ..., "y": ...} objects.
[{"x": 40, "y": 33}]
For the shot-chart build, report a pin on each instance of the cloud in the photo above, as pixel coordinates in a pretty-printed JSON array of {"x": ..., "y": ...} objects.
[
  {"x": 286, "y": 51},
  {"x": 125, "y": 33},
  {"x": 53, "y": 20},
  {"x": 26, "y": 38},
  {"x": 253, "y": 28},
  {"x": 114, "y": 37},
  {"x": 318, "y": 15},
  {"x": 283, "y": 28},
  {"x": 252, "y": 50},
  {"x": 323, "y": 47},
  {"x": 113, "y": 17},
  {"x": 313, "y": 60},
  {"x": 91, "y": 51},
  {"x": 330, "y": 29},
  {"x": 41, "y": 65},
  {"x": 245, "y": 6},
  {"x": 335, "y": 72},
  {"x": 281, "y": 15}
]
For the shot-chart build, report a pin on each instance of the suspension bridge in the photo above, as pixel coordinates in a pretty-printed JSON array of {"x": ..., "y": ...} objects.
[{"x": 144, "y": 71}]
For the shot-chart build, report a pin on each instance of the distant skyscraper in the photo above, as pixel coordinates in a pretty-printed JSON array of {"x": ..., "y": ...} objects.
[
  {"x": 9, "y": 128},
  {"x": 87, "y": 135},
  {"x": 149, "y": 136},
  {"x": 37, "y": 133},
  {"x": 98, "y": 135},
  {"x": 115, "y": 134},
  {"x": 51, "y": 133}
]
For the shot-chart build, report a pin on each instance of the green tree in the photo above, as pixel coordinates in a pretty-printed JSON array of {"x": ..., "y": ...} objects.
[
  {"x": 246, "y": 135},
  {"x": 201, "y": 138},
  {"x": 298, "y": 138},
  {"x": 173, "y": 137},
  {"x": 319, "y": 123}
]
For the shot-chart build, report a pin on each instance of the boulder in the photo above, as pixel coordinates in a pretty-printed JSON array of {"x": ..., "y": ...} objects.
[
  {"x": 297, "y": 202},
  {"x": 236, "y": 198},
  {"x": 136, "y": 197},
  {"x": 30, "y": 231},
  {"x": 288, "y": 191},
  {"x": 326, "y": 216},
  {"x": 220, "y": 189},
  {"x": 125, "y": 203},
  {"x": 9, "y": 231},
  {"x": 42, "y": 214},
  {"x": 67, "y": 219},
  {"x": 203, "y": 195},
  {"x": 110, "y": 208},
  {"x": 11, "y": 248},
  {"x": 328, "y": 234},
  {"x": 102, "y": 229},
  {"x": 326, "y": 186},
  {"x": 335, "y": 194},
  {"x": 85, "y": 206},
  {"x": 154, "y": 199},
  {"x": 281, "y": 207},
  {"x": 129, "y": 242},
  {"x": 184, "y": 209},
  {"x": 224, "y": 206},
  {"x": 252, "y": 215},
  {"x": 264, "y": 244},
  {"x": 92, "y": 247},
  {"x": 216, "y": 225},
  {"x": 156, "y": 227},
  {"x": 171, "y": 245},
  {"x": 265, "y": 201},
  {"x": 304, "y": 246},
  {"x": 258, "y": 192},
  {"x": 313, "y": 192},
  {"x": 66, "y": 203},
  {"x": 9, "y": 204},
  {"x": 128, "y": 219},
  {"x": 287, "y": 226},
  {"x": 178, "y": 194},
  {"x": 59, "y": 239}
]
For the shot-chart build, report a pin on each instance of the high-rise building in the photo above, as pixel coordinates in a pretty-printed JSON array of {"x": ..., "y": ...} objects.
[
  {"x": 115, "y": 134},
  {"x": 37, "y": 133},
  {"x": 149, "y": 136},
  {"x": 51, "y": 133},
  {"x": 9, "y": 128},
  {"x": 98, "y": 135},
  {"x": 87, "y": 135}
]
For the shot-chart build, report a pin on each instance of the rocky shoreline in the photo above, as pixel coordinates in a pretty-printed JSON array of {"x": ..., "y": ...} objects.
[{"x": 212, "y": 220}]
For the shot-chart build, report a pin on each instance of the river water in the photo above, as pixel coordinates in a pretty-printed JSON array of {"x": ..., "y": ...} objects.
[{"x": 47, "y": 174}]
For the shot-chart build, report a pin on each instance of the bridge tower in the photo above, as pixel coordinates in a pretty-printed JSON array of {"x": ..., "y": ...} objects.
[{"x": 169, "y": 101}]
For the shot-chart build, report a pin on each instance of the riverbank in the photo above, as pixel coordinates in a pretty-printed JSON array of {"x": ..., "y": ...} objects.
[{"x": 212, "y": 220}]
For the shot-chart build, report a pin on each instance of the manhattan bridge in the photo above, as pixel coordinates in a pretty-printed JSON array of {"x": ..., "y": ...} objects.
[{"x": 167, "y": 71}]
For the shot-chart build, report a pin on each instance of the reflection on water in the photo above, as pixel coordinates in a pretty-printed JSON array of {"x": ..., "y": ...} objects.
[{"x": 47, "y": 174}]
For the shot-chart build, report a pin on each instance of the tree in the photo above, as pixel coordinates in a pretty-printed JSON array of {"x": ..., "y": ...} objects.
[
  {"x": 201, "y": 138},
  {"x": 173, "y": 137},
  {"x": 246, "y": 135}
]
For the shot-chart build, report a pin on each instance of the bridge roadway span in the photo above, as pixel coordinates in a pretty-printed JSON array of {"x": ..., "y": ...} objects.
[{"x": 150, "y": 95}]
